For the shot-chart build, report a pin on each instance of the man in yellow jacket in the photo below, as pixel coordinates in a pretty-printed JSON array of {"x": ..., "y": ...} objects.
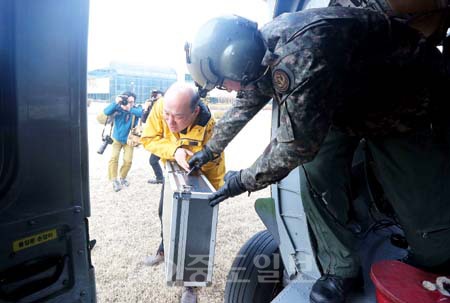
[{"x": 178, "y": 126}]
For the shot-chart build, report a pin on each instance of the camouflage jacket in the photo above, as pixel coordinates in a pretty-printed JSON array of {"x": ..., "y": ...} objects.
[{"x": 349, "y": 68}]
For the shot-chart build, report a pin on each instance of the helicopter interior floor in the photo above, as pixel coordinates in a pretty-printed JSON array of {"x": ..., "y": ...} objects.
[{"x": 375, "y": 246}]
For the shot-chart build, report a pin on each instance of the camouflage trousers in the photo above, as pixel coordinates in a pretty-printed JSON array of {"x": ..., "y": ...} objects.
[{"x": 414, "y": 172}]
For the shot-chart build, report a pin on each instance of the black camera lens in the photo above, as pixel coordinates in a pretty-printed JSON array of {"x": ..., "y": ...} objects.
[
  {"x": 124, "y": 101},
  {"x": 106, "y": 140},
  {"x": 102, "y": 147}
]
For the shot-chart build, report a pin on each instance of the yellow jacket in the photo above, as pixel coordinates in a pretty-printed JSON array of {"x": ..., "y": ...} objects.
[{"x": 159, "y": 140}]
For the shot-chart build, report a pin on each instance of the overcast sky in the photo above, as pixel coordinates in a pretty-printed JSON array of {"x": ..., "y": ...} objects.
[{"x": 153, "y": 32}]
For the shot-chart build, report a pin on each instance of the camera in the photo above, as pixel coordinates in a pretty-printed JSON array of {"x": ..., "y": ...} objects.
[
  {"x": 106, "y": 140},
  {"x": 154, "y": 96},
  {"x": 123, "y": 99}
]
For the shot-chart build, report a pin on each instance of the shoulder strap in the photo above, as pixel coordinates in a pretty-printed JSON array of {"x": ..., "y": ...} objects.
[
  {"x": 106, "y": 123},
  {"x": 132, "y": 122}
]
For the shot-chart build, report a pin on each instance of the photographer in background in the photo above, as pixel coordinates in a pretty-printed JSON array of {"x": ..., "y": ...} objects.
[
  {"x": 126, "y": 116},
  {"x": 154, "y": 159}
]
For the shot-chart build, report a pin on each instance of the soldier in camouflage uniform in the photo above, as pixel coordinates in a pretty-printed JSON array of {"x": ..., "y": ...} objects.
[{"x": 338, "y": 75}]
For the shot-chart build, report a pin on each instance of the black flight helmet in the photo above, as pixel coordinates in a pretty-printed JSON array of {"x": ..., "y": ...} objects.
[{"x": 228, "y": 47}]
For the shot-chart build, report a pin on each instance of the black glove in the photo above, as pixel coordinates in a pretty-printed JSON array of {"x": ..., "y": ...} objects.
[
  {"x": 232, "y": 187},
  {"x": 201, "y": 158}
]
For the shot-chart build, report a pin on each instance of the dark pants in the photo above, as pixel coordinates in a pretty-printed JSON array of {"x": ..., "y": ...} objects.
[
  {"x": 414, "y": 171},
  {"x": 160, "y": 211},
  {"x": 154, "y": 163}
]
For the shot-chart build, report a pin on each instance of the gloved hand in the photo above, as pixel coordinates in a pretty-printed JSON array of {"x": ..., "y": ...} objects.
[
  {"x": 233, "y": 186},
  {"x": 201, "y": 158}
]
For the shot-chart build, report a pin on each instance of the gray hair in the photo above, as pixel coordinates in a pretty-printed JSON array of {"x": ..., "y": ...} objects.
[{"x": 195, "y": 100}]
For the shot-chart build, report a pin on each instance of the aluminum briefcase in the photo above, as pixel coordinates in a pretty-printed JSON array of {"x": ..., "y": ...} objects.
[{"x": 189, "y": 228}]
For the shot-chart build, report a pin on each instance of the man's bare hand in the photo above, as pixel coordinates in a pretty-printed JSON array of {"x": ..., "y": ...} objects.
[
  {"x": 126, "y": 107},
  {"x": 180, "y": 156},
  {"x": 146, "y": 105}
]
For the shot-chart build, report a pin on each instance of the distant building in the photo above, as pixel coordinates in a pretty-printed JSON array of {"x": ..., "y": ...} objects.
[{"x": 105, "y": 84}]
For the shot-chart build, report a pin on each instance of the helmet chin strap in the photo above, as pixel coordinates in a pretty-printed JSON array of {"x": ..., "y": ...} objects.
[{"x": 201, "y": 91}]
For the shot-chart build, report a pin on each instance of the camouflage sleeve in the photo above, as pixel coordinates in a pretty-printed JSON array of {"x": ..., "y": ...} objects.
[
  {"x": 313, "y": 74},
  {"x": 245, "y": 107},
  {"x": 297, "y": 141}
]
